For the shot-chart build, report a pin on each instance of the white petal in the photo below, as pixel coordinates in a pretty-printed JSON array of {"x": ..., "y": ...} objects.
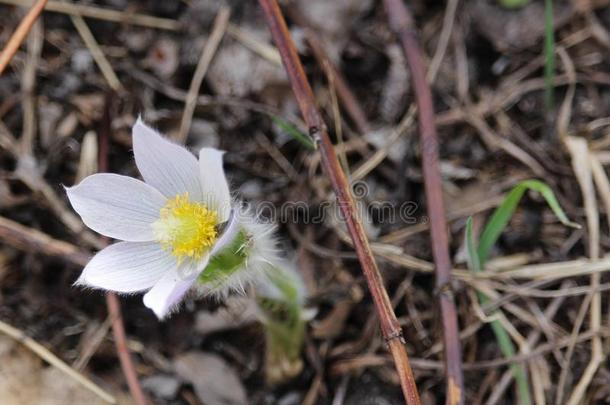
[
  {"x": 214, "y": 183},
  {"x": 127, "y": 267},
  {"x": 167, "y": 293},
  {"x": 168, "y": 167},
  {"x": 229, "y": 234},
  {"x": 117, "y": 206}
]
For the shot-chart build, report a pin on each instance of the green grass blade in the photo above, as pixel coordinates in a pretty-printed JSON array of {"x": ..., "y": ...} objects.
[
  {"x": 505, "y": 211},
  {"x": 499, "y": 220},
  {"x": 293, "y": 131},
  {"x": 549, "y": 55},
  {"x": 508, "y": 350},
  {"x": 474, "y": 264},
  {"x": 502, "y": 337},
  {"x": 478, "y": 256}
]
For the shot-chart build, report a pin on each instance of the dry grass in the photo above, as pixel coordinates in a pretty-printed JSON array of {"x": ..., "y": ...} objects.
[{"x": 548, "y": 282}]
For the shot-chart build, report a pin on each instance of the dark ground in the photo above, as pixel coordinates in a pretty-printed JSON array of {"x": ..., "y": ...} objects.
[{"x": 489, "y": 95}]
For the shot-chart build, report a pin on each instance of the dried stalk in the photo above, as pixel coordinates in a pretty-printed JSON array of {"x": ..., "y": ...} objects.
[
  {"x": 52, "y": 359},
  {"x": 102, "y": 13},
  {"x": 348, "y": 99},
  {"x": 112, "y": 302},
  {"x": 401, "y": 22},
  {"x": 120, "y": 342},
  {"x": 20, "y": 33},
  {"x": 209, "y": 50},
  {"x": 346, "y": 96},
  {"x": 96, "y": 52},
  {"x": 389, "y": 324},
  {"x": 31, "y": 240}
]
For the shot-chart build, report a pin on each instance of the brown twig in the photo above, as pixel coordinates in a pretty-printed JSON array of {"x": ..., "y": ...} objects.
[
  {"x": 120, "y": 342},
  {"x": 112, "y": 302},
  {"x": 100, "y": 59},
  {"x": 209, "y": 50},
  {"x": 348, "y": 99},
  {"x": 20, "y": 33},
  {"x": 27, "y": 239},
  {"x": 52, "y": 359},
  {"x": 105, "y": 14},
  {"x": 390, "y": 327},
  {"x": 401, "y": 22},
  {"x": 31, "y": 240}
]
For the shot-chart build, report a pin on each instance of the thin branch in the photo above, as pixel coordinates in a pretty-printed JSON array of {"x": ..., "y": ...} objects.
[
  {"x": 582, "y": 166},
  {"x": 401, "y": 22},
  {"x": 120, "y": 342},
  {"x": 348, "y": 99},
  {"x": 28, "y": 87},
  {"x": 31, "y": 240},
  {"x": 112, "y": 302},
  {"x": 96, "y": 52},
  {"x": 20, "y": 33},
  {"x": 211, "y": 45},
  {"x": 390, "y": 327},
  {"x": 55, "y": 361},
  {"x": 257, "y": 46},
  {"x": 448, "y": 21},
  {"x": 106, "y": 14}
]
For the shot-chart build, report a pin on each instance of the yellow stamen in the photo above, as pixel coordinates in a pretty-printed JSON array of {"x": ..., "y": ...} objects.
[{"x": 186, "y": 229}]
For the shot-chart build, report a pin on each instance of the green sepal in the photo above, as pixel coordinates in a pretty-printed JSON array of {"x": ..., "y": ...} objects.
[{"x": 226, "y": 262}]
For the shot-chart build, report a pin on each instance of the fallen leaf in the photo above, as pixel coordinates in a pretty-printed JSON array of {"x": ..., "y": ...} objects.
[
  {"x": 26, "y": 379},
  {"x": 215, "y": 382}
]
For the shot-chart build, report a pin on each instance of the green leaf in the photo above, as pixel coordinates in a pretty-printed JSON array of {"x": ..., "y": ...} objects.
[
  {"x": 502, "y": 337},
  {"x": 505, "y": 211},
  {"x": 508, "y": 350},
  {"x": 474, "y": 264},
  {"x": 478, "y": 256},
  {"x": 293, "y": 131}
]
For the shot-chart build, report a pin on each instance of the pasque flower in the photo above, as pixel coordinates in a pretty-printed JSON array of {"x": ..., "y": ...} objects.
[{"x": 179, "y": 227}]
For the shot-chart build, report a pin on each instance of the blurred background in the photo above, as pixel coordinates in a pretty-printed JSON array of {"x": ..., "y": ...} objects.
[{"x": 520, "y": 92}]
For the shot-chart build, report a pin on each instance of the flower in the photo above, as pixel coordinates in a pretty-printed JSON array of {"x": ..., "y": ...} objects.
[{"x": 175, "y": 224}]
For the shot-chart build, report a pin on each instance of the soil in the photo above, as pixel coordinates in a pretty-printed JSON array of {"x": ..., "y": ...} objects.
[{"x": 495, "y": 130}]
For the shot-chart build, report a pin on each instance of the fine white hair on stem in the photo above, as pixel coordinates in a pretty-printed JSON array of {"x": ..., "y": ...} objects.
[
  {"x": 284, "y": 273},
  {"x": 261, "y": 253}
]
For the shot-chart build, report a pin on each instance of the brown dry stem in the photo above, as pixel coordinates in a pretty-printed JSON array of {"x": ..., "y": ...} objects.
[
  {"x": 390, "y": 327},
  {"x": 401, "y": 22},
  {"x": 20, "y": 33},
  {"x": 112, "y": 301}
]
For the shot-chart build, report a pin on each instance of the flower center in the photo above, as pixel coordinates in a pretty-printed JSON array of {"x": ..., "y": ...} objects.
[{"x": 186, "y": 229}]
